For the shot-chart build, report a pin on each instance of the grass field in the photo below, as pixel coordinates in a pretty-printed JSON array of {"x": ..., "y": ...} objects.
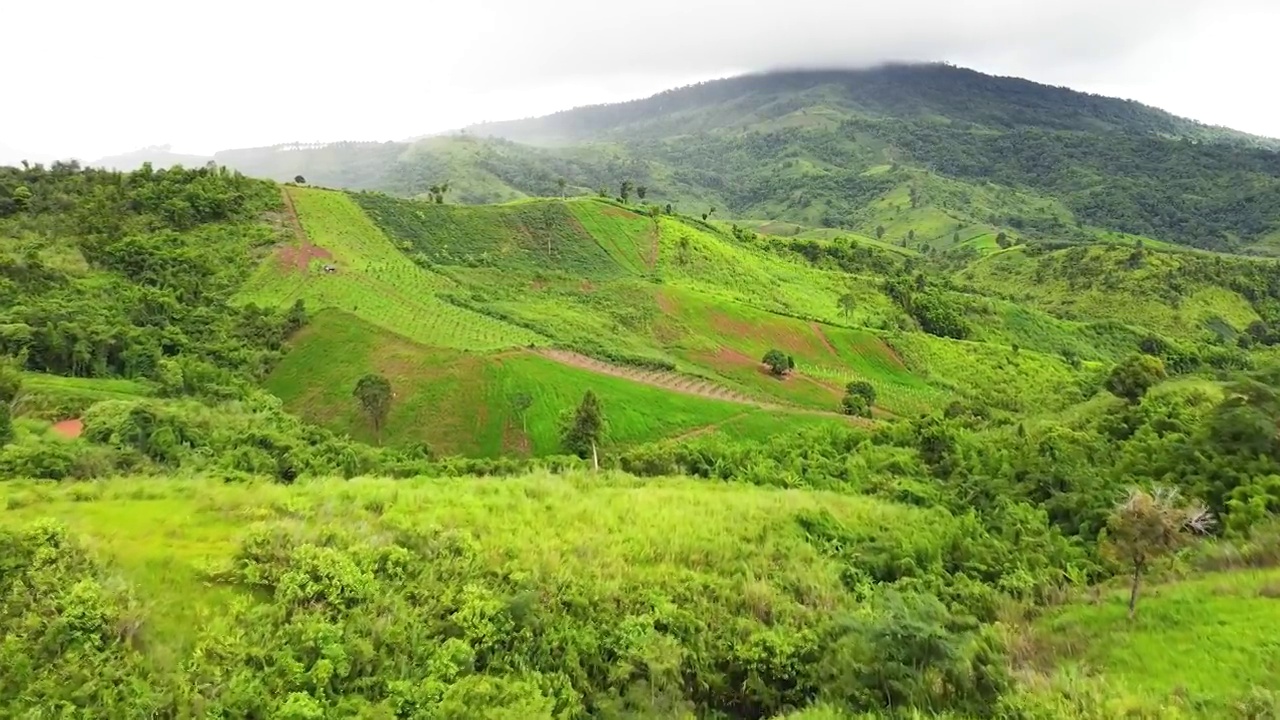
[
  {"x": 460, "y": 283},
  {"x": 725, "y": 543},
  {"x": 463, "y": 403},
  {"x": 53, "y": 397},
  {"x": 1204, "y": 643}
]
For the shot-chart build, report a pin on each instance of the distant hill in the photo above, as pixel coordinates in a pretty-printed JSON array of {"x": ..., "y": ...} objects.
[
  {"x": 11, "y": 156},
  {"x": 160, "y": 156},
  {"x": 917, "y": 155},
  {"x": 935, "y": 92}
]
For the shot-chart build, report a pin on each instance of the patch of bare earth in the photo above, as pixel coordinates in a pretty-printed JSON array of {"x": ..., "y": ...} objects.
[
  {"x": 71, "y": 428},
  {"x": 676, "y": 382},
  {"x": 299, "y": 255},
  {"x": 615, "y": 211},
  {"x": 817, "y": 330}
]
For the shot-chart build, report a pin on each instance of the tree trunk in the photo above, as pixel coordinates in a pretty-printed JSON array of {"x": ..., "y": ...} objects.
[
  {"x": 595, "y": 457},
  {"x": 1133, "y": 590}
]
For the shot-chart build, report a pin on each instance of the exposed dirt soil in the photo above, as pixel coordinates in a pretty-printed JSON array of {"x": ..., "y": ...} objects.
[
  {"x": 690, "y": 434},
  {"x": 515, "y": 440},
  {"x": 586, "y": 286},
  {"x": 651, "y": 257},
  {"x": 817, "y": 330},
  {"x": 665, "y": 303},
  {"x": 299, "y": 255},
  {"x": 676, "y": 382},
  {"x": 615, "y": 211},
  {"x": 69, "y": 428}
]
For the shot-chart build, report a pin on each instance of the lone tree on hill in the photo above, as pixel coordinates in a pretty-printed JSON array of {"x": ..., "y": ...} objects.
[
  {"x": 299, "y": 180},
  {"x": 373, "y": 391},
  {"x": 641, "y": 191},
  {"x": 561, "y": 184},
  {"x": 584, "y": 428},
  {"x": 520, "y": 403},
  {"x": 847, "y": 304},
  {"x": 777, "y": 362},
  {"x": 859, "y": 398},
  {"x": 1134, "y": 376},
  {"x": 1002, "y": 240},
  {"x": 624, "y": 192},
  {"x": 879, "y": 232},
  {"x": 1147, "y": 526}
]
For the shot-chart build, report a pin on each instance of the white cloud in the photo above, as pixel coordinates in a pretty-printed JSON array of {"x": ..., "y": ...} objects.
[{"x": 90, "y": 78}]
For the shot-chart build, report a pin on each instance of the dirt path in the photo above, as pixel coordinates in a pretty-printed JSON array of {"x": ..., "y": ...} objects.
[
  {"x": 690, "y": 434},
  {"x": 676, "y": 382},
  {"x": 300, "y": 254},
  {"x": 817, "y": 329}
]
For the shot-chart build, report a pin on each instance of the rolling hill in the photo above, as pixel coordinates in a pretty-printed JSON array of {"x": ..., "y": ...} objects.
[
  {"x": 930, "y": 152},
  {"x": 201, "y": 518}
]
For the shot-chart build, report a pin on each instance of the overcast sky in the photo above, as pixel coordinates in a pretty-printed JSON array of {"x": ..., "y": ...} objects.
[{"x": 89, "y": 78}]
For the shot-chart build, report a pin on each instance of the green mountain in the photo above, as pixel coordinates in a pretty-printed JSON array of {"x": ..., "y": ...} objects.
[
  {"x": 923, "y": 151},
  {"x": 297, "y": 452}
]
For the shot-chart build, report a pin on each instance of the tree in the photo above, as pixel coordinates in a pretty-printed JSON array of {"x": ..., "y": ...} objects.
[
  {"x": 670, "y": 210},
  {"x": 859, "y": 398},
  {"x": 437, "y": 192},
  {"x": 624, "y": 192},
  {"x": 847, "y": 304},
  {"x": 1133, "y": 376},
  {"x": 1003, "y": 240},
  {"x": 955, "y": 238},
  {"x": 6, "y": 425},
  {"x": 911, "y": 235},
  {"x": 1147, "y": 526},
  {"x": 373, "y": 391},
  {"x": 299, "y": 180},
  {"x": 584, "y": 428},
  {"x": 520, "y": 403},
  {"x": 777, "y": 362},
  {"x": 641, "y": 191},
  {"x": 879, "y": 232},
  {"x": 561, "y": 184}
]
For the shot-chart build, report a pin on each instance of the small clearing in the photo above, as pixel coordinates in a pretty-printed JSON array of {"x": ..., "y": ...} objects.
[{"x": 71, "y": 428}]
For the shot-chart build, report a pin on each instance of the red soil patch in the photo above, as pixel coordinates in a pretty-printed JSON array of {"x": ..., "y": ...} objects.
[
  {"x": 69, "y": 428},
  {"x": 299, "y": 258},
  {"x": 817, "y": 330},
  {"x": 665, "y": 303},
  {"x": 614, "y": 211},
  {"x": 538, "y": 285},
  {"x": 729, "y": 356},
  {"x": 586, "y": 286},
  {"x": 299, "y": 255}
]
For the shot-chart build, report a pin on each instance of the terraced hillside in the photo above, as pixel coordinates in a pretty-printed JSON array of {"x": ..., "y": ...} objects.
[{"x": 620, "y": 296}]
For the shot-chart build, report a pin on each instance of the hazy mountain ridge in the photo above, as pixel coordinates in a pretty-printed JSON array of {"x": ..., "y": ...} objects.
[{"x": 899, "y": 91}]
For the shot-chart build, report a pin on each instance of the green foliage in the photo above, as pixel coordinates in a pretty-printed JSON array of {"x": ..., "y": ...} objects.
[
  {"x": 373, "y": 392},
  {"x": 778, "y": 362},
  {"x": 584, "y": 428},
  {"x": 1147, "y": 526},
  {"x": 106, "y": 274},
  {"x": 1132, "y": 377}
]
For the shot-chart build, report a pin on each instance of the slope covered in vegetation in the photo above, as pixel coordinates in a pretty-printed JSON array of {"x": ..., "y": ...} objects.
[
  {"x": 804, "y": 474},
  {"x": 926, "y": 155}
]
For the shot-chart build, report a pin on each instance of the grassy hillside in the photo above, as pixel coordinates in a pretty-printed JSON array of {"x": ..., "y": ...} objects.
[
  {"x": 673, "y": 302},
  {"x": 1195, "y": 644},
  {"x": 558, "y": 595},
  {"x": 457, "y": 402}
]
